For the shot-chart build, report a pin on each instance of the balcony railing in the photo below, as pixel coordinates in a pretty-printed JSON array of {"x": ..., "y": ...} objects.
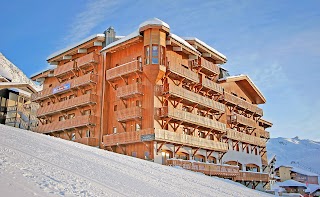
[
  {"x": 182, "y": 72},
  {"x": 129, "y": 90},
  {"x": 89, "y": 59},
  {"x": 208, "y": 67},
  {"x": 80, "y": 121},
  {"x": 263, "y": 133},
  {"x": 239, "y": 119},
  {"x": 242, "y": 103},
  {"x": 127, "y": 114},
  {"x": 191, "y": 119},
  {"x": 252, "y": 176},
  {"x": 191, "y": 98},
  {"x": 206, "y": 83},
  {"x": 58, "y": 107},
  {"x": 123, "y": 70},
  {"x": 242, "y": 137},
  {"x": 64, "y": 69},
  {"x": 90, "y": 141},
  {"x": 166, "y": 136},
  {"x": 71, "y": 84},
  {"x": 206, "y": 168}
]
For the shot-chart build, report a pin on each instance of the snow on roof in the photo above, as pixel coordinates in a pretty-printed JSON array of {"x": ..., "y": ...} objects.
[
  {"x": 291, "y": 183},
  {"x": 154, "y": 21},
  {"x": 182, "y": 41},
  {"x": 74, "y": 45},
  {"x": 122, "y": 40},
  {"x": 49, "y": 67},
  {"x": 206, "y": 45},
  {"x": 312, "y": 188},
  {"x": 20, "y": 91},
  {"x": 302, "y": 171}
]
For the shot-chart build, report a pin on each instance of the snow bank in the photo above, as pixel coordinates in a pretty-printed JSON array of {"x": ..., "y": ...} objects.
[{"x": 34, "y": 164}]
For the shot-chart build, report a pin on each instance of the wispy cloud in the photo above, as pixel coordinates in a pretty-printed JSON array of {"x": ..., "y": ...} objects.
[{"x": 93, "y": 14}]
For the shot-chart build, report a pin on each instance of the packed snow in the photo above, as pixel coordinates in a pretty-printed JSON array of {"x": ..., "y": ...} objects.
[{"x": 33, "y": 164}]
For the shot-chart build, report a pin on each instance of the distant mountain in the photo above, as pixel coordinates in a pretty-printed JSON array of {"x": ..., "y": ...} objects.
[
  {"x": 13, "y": 74},
  {"x": 302, "y": 153}
]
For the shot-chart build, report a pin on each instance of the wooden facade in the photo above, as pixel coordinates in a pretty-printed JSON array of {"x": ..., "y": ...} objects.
[{"x": 155, "y": 96}]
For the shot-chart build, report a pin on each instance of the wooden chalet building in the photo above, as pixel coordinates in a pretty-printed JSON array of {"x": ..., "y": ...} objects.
[{"x": 159, "y": 97}]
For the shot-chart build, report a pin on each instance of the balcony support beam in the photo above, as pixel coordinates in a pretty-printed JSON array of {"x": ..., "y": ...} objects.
[
  {"x": 176, "y": 150},
  {"x": 122, "y": 149},
  {"x": 159, "y": 148},
  {"x": 195, "y": 152},
  {"x": 210, "y": 153},
  {"x": 221, "y": 156}
]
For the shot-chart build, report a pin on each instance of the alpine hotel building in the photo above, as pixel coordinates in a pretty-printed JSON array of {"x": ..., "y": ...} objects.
[{"x": 156, "y": 96}]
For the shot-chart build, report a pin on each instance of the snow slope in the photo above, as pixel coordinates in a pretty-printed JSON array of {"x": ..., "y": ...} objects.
[
  {"x": 296, "y": 152},
  {"x": 33, "y": 164}
]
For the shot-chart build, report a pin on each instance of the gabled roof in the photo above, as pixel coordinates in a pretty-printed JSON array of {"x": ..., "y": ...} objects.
[
  {"x": 203, "y": 47},
  {"x": 68, "y": 48},
  {"x": 245, "y": 82},
  {"x": 299, "y": 170},
  {"x": 23, "y": 86},
  {"x": 292, "y": 183}
]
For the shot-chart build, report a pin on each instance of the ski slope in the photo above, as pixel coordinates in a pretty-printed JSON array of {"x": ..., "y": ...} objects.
[{"x": 33, "y": 164}]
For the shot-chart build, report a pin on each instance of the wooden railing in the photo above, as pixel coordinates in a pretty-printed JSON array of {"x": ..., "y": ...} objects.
[
  {"x": 184, "y": 72},
  {"x": 65, "y": 68},
  {"x": 123, "y": 70},
  {"x": 90, "y": 141},
  {"x": 242, "y": 103},
  {"x": 209, "y": 67},
  {"x": 263, "y": 133},
  {"x": 242, "y": 137},
  {"x": 74, "y": 83},
  {"x": 239, "y": 119},
  {"x": 79, "y": 101},
  {"x": 191, "y": 118},
  {"x": 166, "y": 136},
  {"x": 192, "y": 97},
  {"x": 76, "y": 122},
  {"x": 129, "y": 90},
  {"x": 212, "y": 85},
  {"x": 89, "y": 59},
  {"x": 129, "y": 114},
  {"x": 206, "y": 168},
  {"x": 252, "y": 176}
]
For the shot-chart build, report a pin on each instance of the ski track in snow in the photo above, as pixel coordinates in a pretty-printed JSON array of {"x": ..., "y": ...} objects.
[{"x": 38, "y": 165}]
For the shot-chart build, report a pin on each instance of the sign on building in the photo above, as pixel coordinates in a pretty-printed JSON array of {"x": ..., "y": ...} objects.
[
  {"x": 61, "y": 88},
  {"x": 148, "y": 137}
]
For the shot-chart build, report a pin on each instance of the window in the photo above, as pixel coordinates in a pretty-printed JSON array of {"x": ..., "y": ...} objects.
[
  {"x": 63, "y": 99},
  {"x": 87, "y": 112},
  {"x": 134, "y": 154},
  {"x": 50, "y": 85},
  {"x": 88, "y": 133},
  {"x": 115, "y": 107},
  {"x": 116, "y": 86},
  {"x": 147, "y": 55},
  {"x": 71, "y": 96},
  {"x": 70, "y": 116},
  {"x": 138, "y": 127},
  {"x": 138, "y": 103},
  {"x": 73, "y": 136},
  {"x": 62, "y": 118},
  {"x": 114, "y": 129},
  {"x": 87, "y": 91},
  {"x": 146, "y": 155},
  {"x": 140, "y": 62},
  {"x": 48, "y": 103},
  {"x": 155, "y": 52},
  {"x": 201, "y": 134},
  {"x": 138, "y": 80}
]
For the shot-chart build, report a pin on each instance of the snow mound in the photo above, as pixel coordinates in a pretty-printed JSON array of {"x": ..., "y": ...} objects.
[{"x": 33, "y": 164}]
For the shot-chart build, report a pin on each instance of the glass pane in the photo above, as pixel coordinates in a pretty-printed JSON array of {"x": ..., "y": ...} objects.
[
  {"x": 154, "y": 51},
  {"x": 155, "y": 60}
]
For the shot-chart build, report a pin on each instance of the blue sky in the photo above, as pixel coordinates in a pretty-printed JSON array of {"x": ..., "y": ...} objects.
[{"x": 277, "y": 43}]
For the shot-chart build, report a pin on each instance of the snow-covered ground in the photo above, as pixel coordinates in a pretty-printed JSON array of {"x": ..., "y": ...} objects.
[{"x": 33, "y": 164}]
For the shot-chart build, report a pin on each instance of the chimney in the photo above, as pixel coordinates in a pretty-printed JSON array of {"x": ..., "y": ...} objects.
[{"x": 110, "y": 36}]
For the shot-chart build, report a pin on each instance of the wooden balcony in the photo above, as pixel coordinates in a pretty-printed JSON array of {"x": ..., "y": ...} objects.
[
  {"x": 190, "y": 119},
  {"x": 90, "y": 141},
  {"x": 263, "y": 133},
  {"x": 77, "y": 122},
  {"x": 240, "y": 103},
  {"x": 90, "y": 59},
  {"x": 208, "y": 67},
  {"x": 129, "y": 91},
  {"x": 240, "y": 120},
  {"x": 123, "y": 70},
  {"x": 252, "y": 176},
  {"x": 209, "y": 85},
  {"x": 242, "y": 137},
  {"x": 127, "y": 114},
  {"x": 179, "y": 72},
  {"x": 81, "y": 81},
  {"x": 164, "y": 136},
  {"x": 80, "y": 101},
  {"x": 64, "y": 69},
  {"x": 206, "y": 168},
  {"x": 191, "y": 98}
]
